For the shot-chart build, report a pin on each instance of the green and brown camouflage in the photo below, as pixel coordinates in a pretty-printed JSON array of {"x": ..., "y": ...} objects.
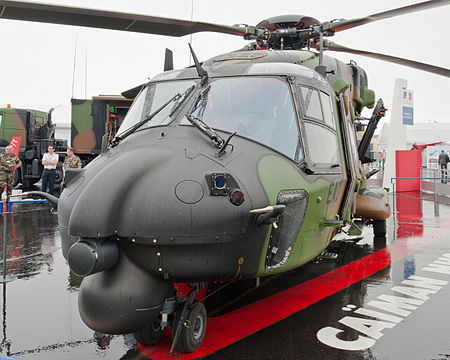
[
  {"x": 351, "y": 78},
  {"x": 21, "y": 122},
  {"x": 37, "y": 132},
  {"x": 83, "y": 136},
  {"x": 90, "y": 122},
  {"x": 73, "y": 163},
  {"x": 7, "y": 165}
]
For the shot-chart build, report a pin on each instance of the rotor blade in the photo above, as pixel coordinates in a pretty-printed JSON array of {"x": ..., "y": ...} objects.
[
  {"x": 68, "y": 15},
  {"x": 344, "y": 24},
  {"x": 406, "y": 62}
]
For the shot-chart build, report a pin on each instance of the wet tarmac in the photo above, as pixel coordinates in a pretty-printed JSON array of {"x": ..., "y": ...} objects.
[{"x": 382, "y": 298}]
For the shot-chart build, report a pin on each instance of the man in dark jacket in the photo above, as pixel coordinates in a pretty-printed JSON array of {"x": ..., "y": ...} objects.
[{"x": 443, "y": 160}]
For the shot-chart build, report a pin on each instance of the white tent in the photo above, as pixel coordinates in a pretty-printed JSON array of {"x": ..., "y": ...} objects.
[{"x": 419, "y": 133}]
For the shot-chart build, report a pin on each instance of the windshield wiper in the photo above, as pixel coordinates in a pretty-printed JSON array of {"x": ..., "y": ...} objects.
[
  {"x": 183, "y": 97},
  {"x": 135, "y": 127},
  {"x": 205, "y": 129},
  {"x": 197, "y": 121}
]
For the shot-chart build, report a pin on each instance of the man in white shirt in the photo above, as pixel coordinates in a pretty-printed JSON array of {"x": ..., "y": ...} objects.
[{"x": 50, "y": 161}]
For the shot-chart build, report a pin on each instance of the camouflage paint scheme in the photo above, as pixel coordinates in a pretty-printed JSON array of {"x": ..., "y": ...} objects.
[
  {"x": 313, "y": 236},
  {"x": 14, "y": 122},
  {"x": 7, "y": 164},
  {"x": 163, "y": 217},
  {"x": 36, "y": 132},
  {"x": 89, "y": 118},
  {"x": 83, "y": 136}
]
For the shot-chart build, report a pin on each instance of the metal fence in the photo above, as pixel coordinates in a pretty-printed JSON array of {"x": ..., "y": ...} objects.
[{"x": 436, "y": 183}]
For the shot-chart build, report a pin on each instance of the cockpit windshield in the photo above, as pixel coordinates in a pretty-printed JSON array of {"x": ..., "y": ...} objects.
[
  {"x": 260, "y": 108},
  {"x": 150, "y": 99}
]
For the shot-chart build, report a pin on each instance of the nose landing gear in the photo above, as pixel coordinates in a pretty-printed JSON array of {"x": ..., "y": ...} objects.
[
  {"x": 190, "y": 328},
  {"x": 188, "y": 324}
]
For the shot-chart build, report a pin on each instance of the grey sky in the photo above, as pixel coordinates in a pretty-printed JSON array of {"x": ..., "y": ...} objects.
[{"x": 37, "y": 59}]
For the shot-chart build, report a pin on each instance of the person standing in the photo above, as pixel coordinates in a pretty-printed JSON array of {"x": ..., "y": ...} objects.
[
  {"x": 50, "y": 161},
  {"x": 383, "y": 158},
  {"x": 9, "y": 162},
  {"x": 71, "y": 161},
  {"x": 443, "y": 160}
]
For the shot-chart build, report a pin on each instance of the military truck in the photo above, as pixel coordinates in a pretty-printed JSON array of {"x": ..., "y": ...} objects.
[
  {"x": 37, "y": 132},
  {"x": 94, "y": 119}
]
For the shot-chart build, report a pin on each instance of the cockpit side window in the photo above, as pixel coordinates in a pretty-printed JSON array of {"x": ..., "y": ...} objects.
[
  {"x": 320, "y": 128},
  {"x": 327, "y": 108},
  {"x": 311, "y": 103}
]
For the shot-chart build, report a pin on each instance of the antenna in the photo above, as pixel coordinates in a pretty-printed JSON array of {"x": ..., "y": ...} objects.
[
  {"x": 85, "y": 70},
  {"x": 74, "y": 62},
  {"x": 201, "y": 72},
  {"x": 321, "y": 69}
]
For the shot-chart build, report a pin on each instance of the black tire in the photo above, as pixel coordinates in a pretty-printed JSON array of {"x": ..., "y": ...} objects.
[
  {"x": 192, "y": 330},
  {"x": 58, "y": 174},
  {"x": 33, "y": 181},
  {"x": 26, "y": 183},
  {"x": 150, "y": 334},
  {"x": 17, "y": 177},
  {"x": 379, "y": 228}
]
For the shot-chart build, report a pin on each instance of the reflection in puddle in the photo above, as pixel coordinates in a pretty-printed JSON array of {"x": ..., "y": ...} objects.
[{"x": 43, "y": 320}]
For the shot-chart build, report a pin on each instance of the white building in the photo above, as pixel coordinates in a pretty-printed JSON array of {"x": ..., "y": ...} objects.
[{"x": 422, "y": 133}]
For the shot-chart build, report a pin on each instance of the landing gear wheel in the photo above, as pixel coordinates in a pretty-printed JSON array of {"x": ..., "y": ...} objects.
[
  {"x": 193, "y": 328},
  {"x": 150, "y": 334},
  {"x": 379, "y": 228}
]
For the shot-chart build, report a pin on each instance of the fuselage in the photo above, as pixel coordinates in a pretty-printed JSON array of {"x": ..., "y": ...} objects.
[{"x": 177, "y": 207}]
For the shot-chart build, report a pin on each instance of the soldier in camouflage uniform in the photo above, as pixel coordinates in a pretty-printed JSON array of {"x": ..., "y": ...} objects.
[
  {"x": 71, "y": 160},
  {"x": 8, "y": 164}
]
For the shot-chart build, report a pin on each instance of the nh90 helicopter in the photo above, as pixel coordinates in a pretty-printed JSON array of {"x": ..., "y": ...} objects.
[{"x": 252, "y": 168}]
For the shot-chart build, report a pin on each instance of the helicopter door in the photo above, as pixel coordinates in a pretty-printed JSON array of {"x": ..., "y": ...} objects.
[{"x": 351, "y": 159}]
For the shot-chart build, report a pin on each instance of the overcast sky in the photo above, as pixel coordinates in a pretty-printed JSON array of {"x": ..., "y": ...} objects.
[{"x": 37, "y": 61}]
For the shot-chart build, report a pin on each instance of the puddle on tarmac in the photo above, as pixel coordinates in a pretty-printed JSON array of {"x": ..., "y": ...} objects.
[{"x": 40, "y": 314}]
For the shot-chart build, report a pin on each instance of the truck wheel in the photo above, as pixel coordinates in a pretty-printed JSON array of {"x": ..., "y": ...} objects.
[
  {"x": 58, "y": 174},
  {"x": 192, "y": 329},
  {"x": 379, "y": 228},
  {"x": 26, "y": 183},
  {"x": 33, "y": 181},
  {"x": 17, "y": 177},
  {"x": 151, "y": 333}
]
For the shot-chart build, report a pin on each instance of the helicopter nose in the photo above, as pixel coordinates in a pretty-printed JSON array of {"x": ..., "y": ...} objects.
[
  {"x": 160, "y": 204},
  {"x": 114, "y": 193},
  {"x": 148, "y": 193},
  {"x": 123, "y": 299}
]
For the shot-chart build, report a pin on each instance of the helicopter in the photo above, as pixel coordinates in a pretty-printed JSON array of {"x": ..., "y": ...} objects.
[{"x": 252, "y": 166}]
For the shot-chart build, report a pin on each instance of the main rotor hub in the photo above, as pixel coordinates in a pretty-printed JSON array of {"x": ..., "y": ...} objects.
[
  {"x": 288, "y": 21},
  {"x": 287, "y": 31}
]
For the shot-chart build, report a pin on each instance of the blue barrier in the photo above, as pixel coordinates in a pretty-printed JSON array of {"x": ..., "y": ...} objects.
[
  {"x": 20, "y": 202},
  {"x": 2, "y": 357}
]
